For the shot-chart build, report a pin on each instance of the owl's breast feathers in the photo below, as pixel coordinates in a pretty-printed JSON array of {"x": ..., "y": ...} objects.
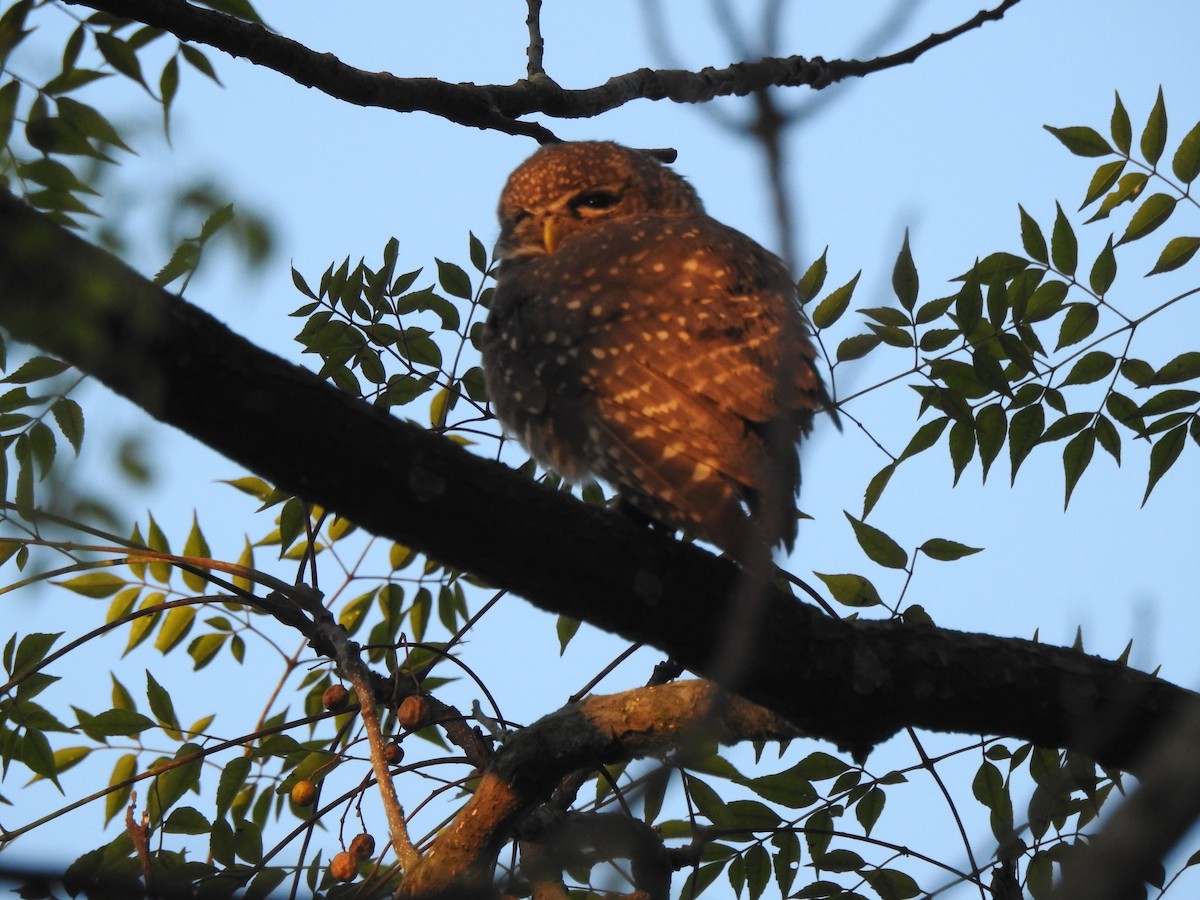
[{"x": 664, "y": 353}]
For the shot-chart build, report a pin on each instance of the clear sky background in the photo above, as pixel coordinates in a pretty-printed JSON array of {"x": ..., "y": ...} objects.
[{"x": 946, "y": 147}]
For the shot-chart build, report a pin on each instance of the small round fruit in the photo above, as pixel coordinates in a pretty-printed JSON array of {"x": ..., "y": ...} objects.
[
  {"x": 344, "y": 866},
  {"x": 414, "y": 711},
  {"x": 363, "y": 846},
  {"x": 304, "y": 792},
  {"x": 393, "y": 754},
  {"x": 335, "y": 697}
]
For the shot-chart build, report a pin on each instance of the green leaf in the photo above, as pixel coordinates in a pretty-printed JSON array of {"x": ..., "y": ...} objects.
[
  {"x": 68, "y": 415},
  {"x": 216, "y": 220},
  {"x": 174, "y": 628},
  {"x": 961, "y": 445},
  {"x": 205, "y": 648},
  {"x": 1104, "y": 269},
  {"x": 832, "y": 307},
  {"x": 9, "y": 94},
  {"x": 1186, "y": 162},
  {"x": 851, "y": 590},
  {"x": 1076, "y": 456},
  {"x": 869, "y": 808},
  {"x": 879, "y": 547},
  {"x": 36, "y": 369},
  {"x": 947, "y": 551},
  {"x": 991, "y": 425},
  {"x": 904, "y": 276},
  {"x": 1046, "y": 301},
  {"x": 790, "y": 788},
  {"x": 1183, "y": 367},
  {"x": 454, "y": 280},
  {"x": 1064, "y": 248},
  {"x": 875, "y": 488},
  {"x": 1168, "y": 401},
  {"x": 196, "y": 547},
  {"x": 1151, "y": 214},
  {"x": 198, "y": 61},
  {"x": 187, "y": 820},
  {"x": 38, "y": 756},
  {"x": 926, "y": 436},
  {"x": 842, "y": 861},
  {"x": 813, "y": 279},
  {"x": 96, "y": 585},
  {"x": 1154, "y": 136},
  {"x": 1079, "y": 322},
  {"x": 161, "y": 705},
  {"x": 1108, "y": 438},
  {"x": 1122, "y": 130},
  {"x": 1105, "y": 177},
  {"x": 123, "y": 770},
  {"x": 1091, "y": 367},
  {"x": 1032, "y": 238},
  {"x": 1081, "y": 140},
  {"x": 116, "y": 723},
  {"x": 566, "y": 627},
  {"x": 168, "y": 86},
  {"x": 891, "y": 884},
  {"x": 118, "y": 54},
  {"x": 1024, "y": 429},
  {"x": 1065, "y": 427},
  {"x": 1163, "y": 455},
  {"x": 1128, "y": 189},
  {"x": 1178, "y": 252},
  {"x": 31, "y": 651},
  {"x": 989, "y": 789}
]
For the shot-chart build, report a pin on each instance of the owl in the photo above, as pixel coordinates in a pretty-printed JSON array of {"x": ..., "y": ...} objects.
[{"x": 635, "y": 339}]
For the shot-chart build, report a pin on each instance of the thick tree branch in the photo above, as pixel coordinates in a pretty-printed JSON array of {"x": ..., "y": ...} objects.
[
  {"x": 596, "y": 731},
  {"x": 854, "y": 683},
  {"x": 501, "y": 107}
]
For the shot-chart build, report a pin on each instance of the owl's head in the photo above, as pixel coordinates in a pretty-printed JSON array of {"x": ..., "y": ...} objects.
[{"x": 565, "y": 189}]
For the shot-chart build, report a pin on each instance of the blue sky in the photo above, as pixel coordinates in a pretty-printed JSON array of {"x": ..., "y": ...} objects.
[{"x": 946, "y": 147}]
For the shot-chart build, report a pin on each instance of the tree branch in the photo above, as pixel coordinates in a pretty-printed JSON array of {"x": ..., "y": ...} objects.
[
  {"x": 597, "y": 731},
  {"x": 501, "y": 107},
  {"x": 853, "y": 683}
]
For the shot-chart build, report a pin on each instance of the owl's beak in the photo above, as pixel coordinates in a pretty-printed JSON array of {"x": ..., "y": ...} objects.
[{"x": 548, "y": 236}]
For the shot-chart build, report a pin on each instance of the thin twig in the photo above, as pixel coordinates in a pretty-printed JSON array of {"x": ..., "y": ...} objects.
[
  {"x": 360, "y": 677},
  {"x": 536, "y": 45}
]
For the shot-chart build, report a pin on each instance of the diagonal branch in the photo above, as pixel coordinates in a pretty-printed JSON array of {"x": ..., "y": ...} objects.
[
  {"x": 501, "y": 107},
  {"x": 853, "y": 683}
]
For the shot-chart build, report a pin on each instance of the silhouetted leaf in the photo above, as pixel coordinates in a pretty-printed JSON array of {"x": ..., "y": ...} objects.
[
  {"x": 832, "y": 307},
  {"x": 1104, "y": 269},
  {"x": 1105, "y": 177},
  {"x": 1064, "y": 248},
  {"x": 1154, "y": 136},
  {"x": 1076, "y": 456},
  {"x": 1186, "y": 162},
  {"x": 1163, "y": 455},
  {"x": 904, "y": 276},
  {"x": 1151, "y": 214},
  {"x": 1031, "y": 237},
  {"x": 1122, "y": 130},
  {"x": 947, "y": 551},
  {"x": 851, "y": 590},
  {"x": 879, "y": 547},
  {"x": 1024, "y": 429},
  {"x": 1177, "y": 253},
  {"x": 1081, "y": 140},
  {"x": 1079, "y": 322},
  {"x": 810, "y": 285},
  {"x": 1090, "y": 367}
]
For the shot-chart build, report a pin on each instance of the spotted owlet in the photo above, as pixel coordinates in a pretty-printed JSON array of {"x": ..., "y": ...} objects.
[{"x": 635, "y": 339}]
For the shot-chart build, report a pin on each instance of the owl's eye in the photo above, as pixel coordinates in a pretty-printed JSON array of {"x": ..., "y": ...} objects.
[{"x": 594, "y": 201}]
